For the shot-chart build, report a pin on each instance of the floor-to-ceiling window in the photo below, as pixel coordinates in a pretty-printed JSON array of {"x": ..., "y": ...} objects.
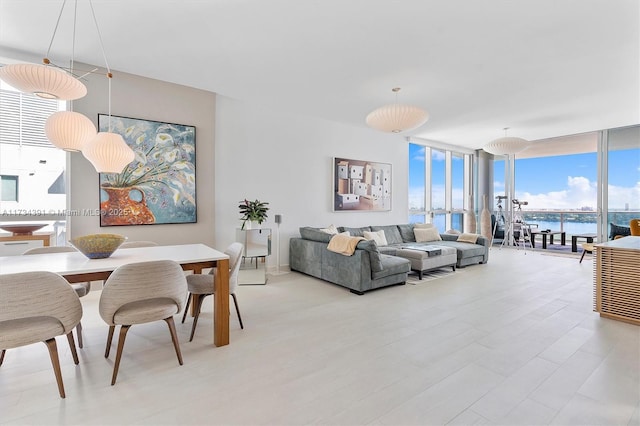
[
  {"x": 458, "y": 193},
  {"x": 440, "y": 186},
  {"x": 578, "y": 184},
  {"x": 622, "y": 199},
  {"x": 32, "y": 170}
]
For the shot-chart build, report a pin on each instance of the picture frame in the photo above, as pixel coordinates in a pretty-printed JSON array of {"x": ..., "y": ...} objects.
[
  {"x": 360, "y": 185},
  {"x": 159, "y": 185}
]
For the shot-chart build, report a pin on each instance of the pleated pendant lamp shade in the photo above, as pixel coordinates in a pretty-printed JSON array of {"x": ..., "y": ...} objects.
[
  {"x": 397, "y": 118},
  {"x": 44, "y": 81},
  {"x": 108, "y": 152},
  {"x": 506, "y": 146},
  {"x": 69, "y": 130}
]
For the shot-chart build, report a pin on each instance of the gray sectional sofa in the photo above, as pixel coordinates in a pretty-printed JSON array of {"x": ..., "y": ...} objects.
[{"x": 371, "y": 266}]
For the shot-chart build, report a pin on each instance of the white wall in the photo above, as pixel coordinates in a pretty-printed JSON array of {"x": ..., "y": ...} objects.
[
  {"x": 286, "y": 160},
  {"x": 139, "y": 97},
  {"x": 242, "y": 151}
]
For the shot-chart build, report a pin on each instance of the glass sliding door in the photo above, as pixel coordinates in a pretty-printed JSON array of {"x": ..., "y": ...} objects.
[{"x": 621, "y": 201}]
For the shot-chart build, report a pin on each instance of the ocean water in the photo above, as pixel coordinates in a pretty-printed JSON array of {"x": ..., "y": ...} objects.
[{"x": 573, "y": 223}]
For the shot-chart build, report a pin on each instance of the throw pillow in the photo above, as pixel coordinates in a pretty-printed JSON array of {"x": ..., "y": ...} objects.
[
  {"x": 453, "y": 232},
  {"x": 391, "y": 233},
  {"x": 425, "y": 235},
  {"x": 468, "y": 238},
  {"x": 377, "y": 236},
  {"x": 406, "y": 232},
  {"x": 331, "y": 229},
  {"x": 624, "y": 231},
  {"x": 423, "y": 225}
]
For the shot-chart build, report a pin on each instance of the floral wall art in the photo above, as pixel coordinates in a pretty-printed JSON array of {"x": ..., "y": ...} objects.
[{"x": 159, "y": 186}]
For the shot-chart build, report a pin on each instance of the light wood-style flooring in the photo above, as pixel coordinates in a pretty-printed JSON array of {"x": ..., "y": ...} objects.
[{"x": 514, "y": 341}]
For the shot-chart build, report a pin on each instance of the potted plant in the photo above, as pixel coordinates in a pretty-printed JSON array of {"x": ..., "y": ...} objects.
[{"x": 253, "y": 211}]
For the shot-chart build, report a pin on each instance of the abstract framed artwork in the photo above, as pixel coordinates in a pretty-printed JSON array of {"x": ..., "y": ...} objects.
[
  {"x": 361, "y": 185},
  {"x": 159, "y": 185}
]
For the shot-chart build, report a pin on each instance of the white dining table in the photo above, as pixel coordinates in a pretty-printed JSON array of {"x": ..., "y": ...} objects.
[{"x": 76, "y": 267}]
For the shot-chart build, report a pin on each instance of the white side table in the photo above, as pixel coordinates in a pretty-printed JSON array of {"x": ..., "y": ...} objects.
[{"x": 257, "y": 246}]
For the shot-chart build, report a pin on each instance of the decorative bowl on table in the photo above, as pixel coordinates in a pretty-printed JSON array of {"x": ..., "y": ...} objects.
[
  {"x": 98, "y": 246},
  {"x": 22, "y": 229}
]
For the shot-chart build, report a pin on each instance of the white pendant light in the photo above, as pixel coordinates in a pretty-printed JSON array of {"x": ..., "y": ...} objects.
[
  {"x": 507, "y": 145},
  {"x": 48, "y": 80},
  {"x": 44, "y": 81},
  {"x": 396, "y": 118},
  {"x": 108, "y": 152},
  {"x": 69, "y": 130}
]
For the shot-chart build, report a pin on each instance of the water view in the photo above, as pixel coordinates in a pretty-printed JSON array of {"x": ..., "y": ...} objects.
[{"x": 572, "y": 222}]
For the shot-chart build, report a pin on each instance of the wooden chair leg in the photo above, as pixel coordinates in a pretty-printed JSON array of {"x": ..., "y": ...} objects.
[
  {"x": 72, "y": 346},
  {"x": 109, "y": 340},
  {"x": 174, "y": 337},
  {"x": 55, "y": 362},
  {"x": 116, "y": 366},
  {"x": 186, "y": 308},
  {"x": 2, "y": 356},
  {"x": 198, "y": 306},
  {"x": 79, "y": 333},
  {"x": 235, "y": 302}
]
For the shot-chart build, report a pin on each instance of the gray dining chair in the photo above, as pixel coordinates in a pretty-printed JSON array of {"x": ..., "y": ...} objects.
[
  {"x": 203, "y": 285},
  {"x": 36, "y": 307},
  {"x": 138, "y": 293},
  {"x": 81, "y": 289}
]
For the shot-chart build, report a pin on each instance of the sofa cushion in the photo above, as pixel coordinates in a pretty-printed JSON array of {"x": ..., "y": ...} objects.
[
  {"x": 314, "y": 234},
  {"x": 406, "y": 232},
  {"x": 331, "y": 229},
  {"x": 371, "y": 247},
  {"x": 377, "y": 236},
  {"x": 391, "y": 233},
  {"x": 468, "y": 238},
  {"x": 390, "y": 250},
  {"x": 391, "y": 265},
  {"x": 354, "y": 232},
  {"x": 616, "y": 230},
  {"x": 465, "y": 250},
  {"x": 424, "y": 235}
]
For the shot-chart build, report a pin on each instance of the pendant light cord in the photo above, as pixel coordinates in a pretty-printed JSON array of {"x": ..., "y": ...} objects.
[
  {"x": 46, "y": 60},
  {"x": 104, "y": 56},
  {"x": 95, "y": 21},
  {"x": 53, "y": 36}
]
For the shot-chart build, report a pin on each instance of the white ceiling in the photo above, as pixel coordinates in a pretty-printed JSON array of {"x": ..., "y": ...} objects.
[{"x": 543, "y": 68}]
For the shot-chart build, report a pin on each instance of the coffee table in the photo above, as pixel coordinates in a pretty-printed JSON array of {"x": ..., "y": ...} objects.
[
  {"x": 544, "y": 233},
  {"x": 427, "y": 259},
  {"x": 574, "y": 240}
]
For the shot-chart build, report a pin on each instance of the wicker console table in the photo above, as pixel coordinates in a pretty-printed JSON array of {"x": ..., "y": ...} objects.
[{"x": 617, "y": 279}]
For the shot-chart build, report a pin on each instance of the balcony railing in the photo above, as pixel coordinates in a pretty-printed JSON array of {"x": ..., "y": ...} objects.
[{"x": 573, "y": 222}]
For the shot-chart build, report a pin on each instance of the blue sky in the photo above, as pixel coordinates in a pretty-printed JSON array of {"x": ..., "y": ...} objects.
[{"x": 561, "y": 182}]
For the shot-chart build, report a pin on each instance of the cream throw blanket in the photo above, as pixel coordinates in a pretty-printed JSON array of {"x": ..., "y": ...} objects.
[{"x": 343, "y": 244}]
